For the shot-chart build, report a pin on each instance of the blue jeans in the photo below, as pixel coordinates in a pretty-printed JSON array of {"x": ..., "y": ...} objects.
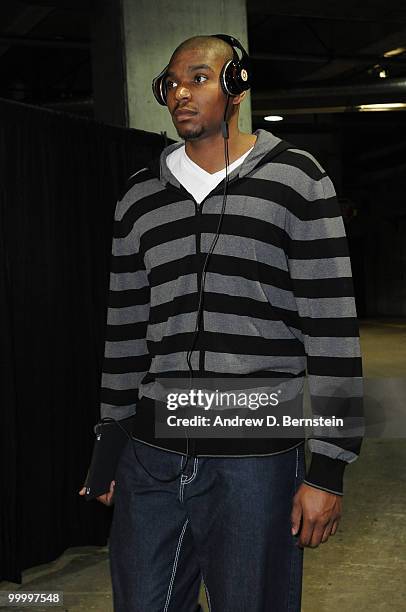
[{"x": 226, "y": 522}]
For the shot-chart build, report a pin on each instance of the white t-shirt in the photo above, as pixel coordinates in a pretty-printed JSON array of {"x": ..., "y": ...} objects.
[{"x": 194, "y": 179}]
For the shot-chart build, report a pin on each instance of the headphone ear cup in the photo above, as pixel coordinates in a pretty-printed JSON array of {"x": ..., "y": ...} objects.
[
  {"x": 234, "y": 78},
  {"x": 163, "y": 91},
  {"x": 223, "y": 80},
  {"x": 244, "y": 74},
  {"x": 159, "y": 87}
]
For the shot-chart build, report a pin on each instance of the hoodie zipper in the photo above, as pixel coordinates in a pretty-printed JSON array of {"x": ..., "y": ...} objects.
[
  {"x": 198, "y": 214},
  {"x": 216, "y": 191},
  {"x": 200, "y": 323}
]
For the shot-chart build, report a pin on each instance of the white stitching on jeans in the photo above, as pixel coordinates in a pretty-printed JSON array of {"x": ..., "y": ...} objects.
[
  {"x": 207, "y": 594},
  {"x": 187, "y": 480},
  {"x": 175, "y": 564},
  {"x": 297, "y": 460},
  {"x": 180, "y": 482}
]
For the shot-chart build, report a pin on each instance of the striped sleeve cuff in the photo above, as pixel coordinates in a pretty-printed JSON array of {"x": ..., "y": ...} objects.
[{"x": 326, "y": 473}]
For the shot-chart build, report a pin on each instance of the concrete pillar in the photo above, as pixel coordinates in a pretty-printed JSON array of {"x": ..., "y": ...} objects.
[{"x": 149, "y": 33}]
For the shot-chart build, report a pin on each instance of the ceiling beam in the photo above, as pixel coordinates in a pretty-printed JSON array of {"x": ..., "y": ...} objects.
[
  {"x": 381, "y": 87},
  {"x": 374, "y": 11},
  {"x": 337, "y": 18},
  {"x": 315, "y": 58},
  {"x": 23, "y": 41},
  {"x": 19, "y": 19},
  {"x": 336, "y": 67}
]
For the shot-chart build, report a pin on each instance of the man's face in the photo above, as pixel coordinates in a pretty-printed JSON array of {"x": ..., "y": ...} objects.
[{"x": 195, "y": 98}]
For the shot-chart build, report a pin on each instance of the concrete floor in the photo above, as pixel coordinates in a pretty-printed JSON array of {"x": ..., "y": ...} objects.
[{"x": 362, "y": 568}]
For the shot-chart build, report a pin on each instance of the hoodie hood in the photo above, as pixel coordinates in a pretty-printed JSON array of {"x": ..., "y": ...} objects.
[{"x": 266, "y": 147}]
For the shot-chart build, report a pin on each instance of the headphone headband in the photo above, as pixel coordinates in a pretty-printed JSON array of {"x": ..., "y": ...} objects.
[
  {"x": 234, "y": 44},
  {"x": 234, "y": 75}
]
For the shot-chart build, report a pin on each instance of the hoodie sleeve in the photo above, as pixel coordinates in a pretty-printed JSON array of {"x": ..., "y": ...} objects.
[
  {"x": 320, "y": 272},
  {"x": 126, "y": 359}
]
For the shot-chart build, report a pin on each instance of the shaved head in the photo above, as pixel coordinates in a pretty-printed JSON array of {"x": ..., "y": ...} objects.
[{"x": 215, "y": 46}]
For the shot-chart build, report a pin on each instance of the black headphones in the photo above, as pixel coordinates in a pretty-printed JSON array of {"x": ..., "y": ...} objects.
[{"x": 235, "y": 75}]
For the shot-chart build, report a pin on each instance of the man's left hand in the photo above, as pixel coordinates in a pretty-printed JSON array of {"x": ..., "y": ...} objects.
[{"x": 318, "y": 511}]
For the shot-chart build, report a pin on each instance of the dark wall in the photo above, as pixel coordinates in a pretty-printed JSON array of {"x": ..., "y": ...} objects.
[
  {"x": 374, "y": 210},
  {"x": 60, "y": 177},
  {"x": 384, "y": 239}
]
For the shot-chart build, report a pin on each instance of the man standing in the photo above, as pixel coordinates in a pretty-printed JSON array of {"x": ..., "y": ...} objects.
[{"x": 278, "y": 299}]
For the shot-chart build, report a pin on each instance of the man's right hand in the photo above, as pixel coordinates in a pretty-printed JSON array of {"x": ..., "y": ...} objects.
[{"x": 106, "y": 498}]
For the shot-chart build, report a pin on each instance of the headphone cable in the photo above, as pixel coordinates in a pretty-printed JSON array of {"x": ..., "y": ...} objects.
[{"x": 225, "y": 133}]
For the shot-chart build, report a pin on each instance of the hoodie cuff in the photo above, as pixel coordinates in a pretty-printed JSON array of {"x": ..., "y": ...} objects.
[{"x": 326, "y": 473}]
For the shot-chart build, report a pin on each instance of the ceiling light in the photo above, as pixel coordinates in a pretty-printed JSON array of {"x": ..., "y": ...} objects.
[
  {"x": 394, "y": 52},
  {"x": 273, "y": 118},
  {"x": 378, "y": 70},
  {"x": 386, "y": 106}
]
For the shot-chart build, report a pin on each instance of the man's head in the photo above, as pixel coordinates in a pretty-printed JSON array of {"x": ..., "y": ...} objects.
[{"x": 195, "y": 97}]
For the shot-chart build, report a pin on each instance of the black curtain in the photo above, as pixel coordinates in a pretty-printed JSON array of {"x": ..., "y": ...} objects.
[{"x": 60, "y": 176}]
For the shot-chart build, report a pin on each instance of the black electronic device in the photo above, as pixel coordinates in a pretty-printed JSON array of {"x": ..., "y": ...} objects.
[{"x": 108, "y": 446}]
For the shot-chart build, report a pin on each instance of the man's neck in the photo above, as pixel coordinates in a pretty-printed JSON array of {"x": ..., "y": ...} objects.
[{"x": 208, "y": 153}]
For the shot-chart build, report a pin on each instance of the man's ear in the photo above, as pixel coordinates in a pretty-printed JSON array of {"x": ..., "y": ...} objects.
[{"x": 239, "y": 98}]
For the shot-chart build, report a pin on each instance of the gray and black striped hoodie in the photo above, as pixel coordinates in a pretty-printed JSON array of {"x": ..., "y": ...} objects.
[{"x": 278, "y": 296}]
